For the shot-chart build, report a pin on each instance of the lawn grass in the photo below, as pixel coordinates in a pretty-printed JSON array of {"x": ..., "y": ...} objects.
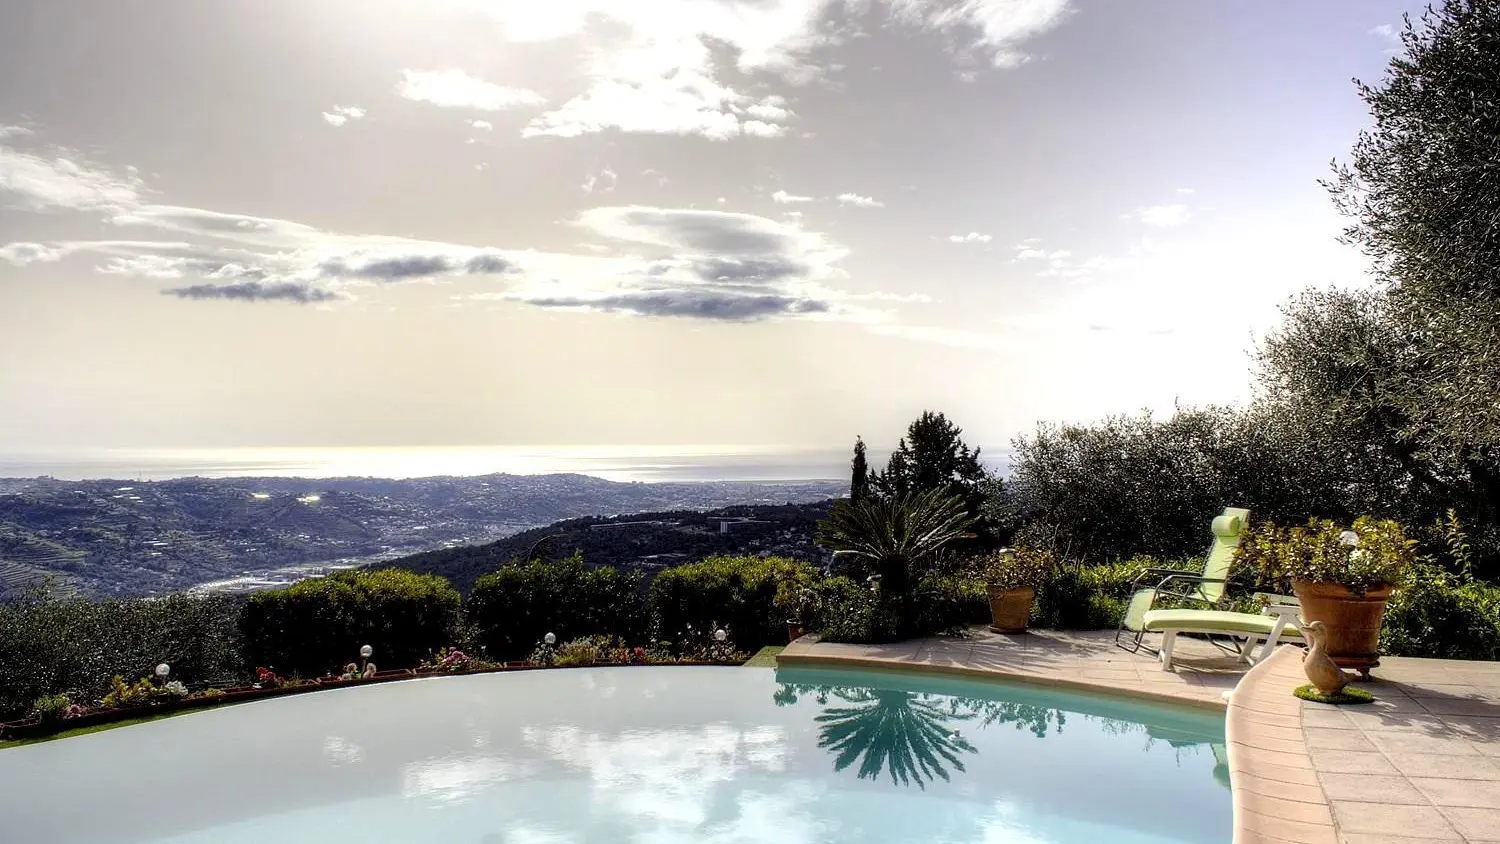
[
  {"x": 765, "y": 657},
  {"x": 99, "y": 728}
]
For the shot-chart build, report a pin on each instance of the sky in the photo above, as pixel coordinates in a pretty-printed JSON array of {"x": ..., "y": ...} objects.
[{"x": 665, "y": 222}]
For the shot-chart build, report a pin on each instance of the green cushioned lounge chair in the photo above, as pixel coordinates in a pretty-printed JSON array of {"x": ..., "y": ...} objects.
[{"x": 1205, "y": 595}]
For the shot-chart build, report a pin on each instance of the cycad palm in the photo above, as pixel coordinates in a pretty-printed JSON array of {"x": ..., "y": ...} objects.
[{"x": 895, "y": 534}]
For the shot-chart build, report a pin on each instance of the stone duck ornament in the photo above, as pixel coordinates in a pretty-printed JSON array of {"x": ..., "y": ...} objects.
[{"x": 1319, "y": 667}]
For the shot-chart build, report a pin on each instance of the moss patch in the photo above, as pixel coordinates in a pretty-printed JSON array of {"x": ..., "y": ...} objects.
[
  {"x": 765, "y": 657},
  {"x": 1350, "y": 695}
]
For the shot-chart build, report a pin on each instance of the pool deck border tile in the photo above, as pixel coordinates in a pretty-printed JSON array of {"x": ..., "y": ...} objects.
[{"x": 1421, "y": 765}]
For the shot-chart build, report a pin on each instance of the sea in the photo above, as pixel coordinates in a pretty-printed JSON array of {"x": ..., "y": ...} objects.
[{"x": 645, "y": 464}]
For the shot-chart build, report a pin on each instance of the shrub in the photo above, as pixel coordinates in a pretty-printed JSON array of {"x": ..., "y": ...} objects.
[
  {"x": 1435, "y": 614},
  {"x": 1319, "y": 554},
  {"x": 1077, "y": 596},
  {"x": 314, "y": 626},
  {"x": 950, "y": 603},
  {"x": 51, "y": 708},
  {"x": 1013, "y": 568},
  {"x": 739, "y": 593},
  {"x": 514, "y": 607},
  {"x": 74, "y": 647}
]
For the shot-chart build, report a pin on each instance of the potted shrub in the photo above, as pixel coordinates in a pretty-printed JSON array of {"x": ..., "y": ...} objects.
[
  {"x": 1343, "y": 578},
  {"x": 1010, "y": 577},
  {"x": 800, "y": 603}
]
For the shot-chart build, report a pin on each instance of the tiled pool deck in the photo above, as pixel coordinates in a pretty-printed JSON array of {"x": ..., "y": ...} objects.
[{"x": 1418, "y": 766}]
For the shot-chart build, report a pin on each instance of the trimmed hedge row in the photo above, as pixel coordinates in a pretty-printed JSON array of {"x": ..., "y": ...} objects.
[
  {"x": 314, "y": 627},
  {"x": 510, "y": 610}
]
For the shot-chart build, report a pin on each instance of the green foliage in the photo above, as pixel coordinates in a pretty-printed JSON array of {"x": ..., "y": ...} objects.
[
  {"x": 578, "y": 652},
  {"x": 859, "y": 473},
  {"x": 123, "y": 695},
  {"x": 898, "y": 537},
  {"x": 933, "y": 457},
  {"x": 1318, "y": 553},
  {"x": 1078, "y": 596},
  {"x": 948, "y": 604},
  {"x": 738, "y": 592},
  {"x": 1434, "y": 614},
  {"x": 1422, "y": 193},
  {"x": 50, "y": 646},
  {"x": 51, "y": 708},
  {"x": 1137, "y": 485},
  {"x": 511, "y": 609},
  {"x": 1014, "y": 568},
  {"x": 315, "y": 626}
]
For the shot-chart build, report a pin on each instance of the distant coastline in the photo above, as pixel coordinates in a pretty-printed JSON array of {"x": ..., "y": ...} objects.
[{"x": 643, "y": 464}]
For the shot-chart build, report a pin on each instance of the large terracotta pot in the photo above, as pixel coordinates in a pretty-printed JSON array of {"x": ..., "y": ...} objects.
[
  {"x": 1352, "y": 622},
  {"x": 1010, "y": 609},
  {"x": 794, "y": 630}
]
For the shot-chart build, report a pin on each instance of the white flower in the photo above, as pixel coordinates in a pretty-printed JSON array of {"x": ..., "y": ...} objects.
[{"x": 176, "y": 688}]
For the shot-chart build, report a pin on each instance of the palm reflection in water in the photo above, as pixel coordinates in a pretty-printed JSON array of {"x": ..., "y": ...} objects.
[{"x": 914, "y": 736}]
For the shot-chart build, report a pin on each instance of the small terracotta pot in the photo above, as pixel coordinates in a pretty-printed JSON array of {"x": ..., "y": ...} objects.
[
  {"x": 1010, "y": 609},
  {"x": 794, "y": 631},
  {"x": 1351, "y": 622}
]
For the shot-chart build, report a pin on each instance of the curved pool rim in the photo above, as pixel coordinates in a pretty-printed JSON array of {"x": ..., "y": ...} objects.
[
  {"x": 1076, "y": 684},
  {"x": 379, "y": 701}
]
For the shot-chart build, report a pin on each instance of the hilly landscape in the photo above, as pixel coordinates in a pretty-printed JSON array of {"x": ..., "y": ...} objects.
[
  {"x": 648, "y": 542},
  {"x": 111, "y": 538}
]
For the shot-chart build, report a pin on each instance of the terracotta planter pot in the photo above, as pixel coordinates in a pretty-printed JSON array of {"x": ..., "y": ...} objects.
[
  {"x": 1352, "y": 621},
  {"x": 1010, "y": 609},
  {"x": 794, "y": 631}
]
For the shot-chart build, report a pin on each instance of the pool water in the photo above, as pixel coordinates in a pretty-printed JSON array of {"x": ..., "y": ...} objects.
[{"x": 640, "y": 754}]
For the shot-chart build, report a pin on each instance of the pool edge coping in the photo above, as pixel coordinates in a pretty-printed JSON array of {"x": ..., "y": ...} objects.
[
  {"x": 993, "y": 673},
  {"x": 1277, "y": 793}
]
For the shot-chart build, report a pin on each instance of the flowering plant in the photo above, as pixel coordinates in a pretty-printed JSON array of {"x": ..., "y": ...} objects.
[{"x": 266, "y": 677}]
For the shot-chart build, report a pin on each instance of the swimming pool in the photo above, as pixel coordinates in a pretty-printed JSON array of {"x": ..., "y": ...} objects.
[{"x": 640, "y": 754}]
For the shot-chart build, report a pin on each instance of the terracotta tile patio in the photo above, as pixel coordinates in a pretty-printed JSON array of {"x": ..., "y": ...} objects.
[{"x": 1421, "y": 765}]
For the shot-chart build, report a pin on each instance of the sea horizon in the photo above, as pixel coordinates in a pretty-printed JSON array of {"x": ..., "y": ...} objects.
[{"x": 622, "y": 463}]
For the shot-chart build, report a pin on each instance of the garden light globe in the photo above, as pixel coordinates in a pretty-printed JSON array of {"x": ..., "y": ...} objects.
[
  {"x": 550, "y": 638},
  {"x": 1349, "y": 538},
  {"x": 366, "y": 651},
  {"x": 721, "y": 634},
  {"x": 163, "y": 670}
]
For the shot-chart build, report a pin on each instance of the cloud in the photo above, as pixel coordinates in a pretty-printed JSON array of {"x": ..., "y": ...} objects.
[
  {"x": 1186, "y": 191},
  {"x": 403, "y": 266},
  {"x": 254, "y": 291},
  {"x": 691, "y": 263},
  {"x": 21, "y": 254},
  {"x": 785, "y": 198},
  {"x": 995, "y": 28},
  {"x": 605, "y": 180},
  {"x": 700, "y": 304},
  {"x": 1160, "y": 216},
  {"x": 971, "y": 237},
  {"x": 860, "y": 201},
  {"x": 343, "y": 114},
  {"x": 57, "y": 179},
  {"x": 649, "y": 67},
  {"x": 1390, "y": 35},
  {"x": 481, "y": 125},
  {"x": 14, "y": 132},
  {"x": 456, "y": 89}
]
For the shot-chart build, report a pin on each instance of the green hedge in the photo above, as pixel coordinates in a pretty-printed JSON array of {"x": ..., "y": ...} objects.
[
  {"x": 317, "y": 626},
  {"x": 75, "y": 647},
  {"x": 510, "y": 610},
  {"x": 1435, "y": 615},
  {"x": 734, "y": 592}
]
